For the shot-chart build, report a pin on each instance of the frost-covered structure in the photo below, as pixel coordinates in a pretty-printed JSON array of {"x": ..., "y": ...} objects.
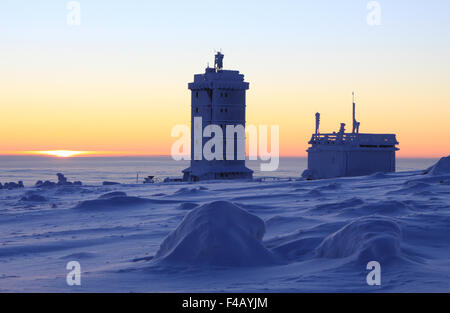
[
  {"x": 62, "y": 181},
  {"x": 219, "y": 233},
  {"x": 12, "y": 185},
  {"x": 341, "y": 154},
  {"x": 218, "y": 97}
]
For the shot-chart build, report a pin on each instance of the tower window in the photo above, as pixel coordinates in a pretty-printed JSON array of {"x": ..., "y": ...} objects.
[
  {"x": 196, "y": 94},
  {"x": 196, "y": 110},
  {"x": 221, "y": 94},
  {"x": 221, "y": 110},
  {"x": 226, "y": 110},
  {"x": 226, "y": 94}
]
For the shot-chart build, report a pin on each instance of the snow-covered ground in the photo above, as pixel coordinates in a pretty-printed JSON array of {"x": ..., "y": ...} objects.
[{"x": 316, "y": 235}]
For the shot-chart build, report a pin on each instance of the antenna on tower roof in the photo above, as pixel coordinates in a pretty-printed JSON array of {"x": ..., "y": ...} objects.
[
  {"x": 218, "y": 61},
  {"x": 355, "y": 128}
]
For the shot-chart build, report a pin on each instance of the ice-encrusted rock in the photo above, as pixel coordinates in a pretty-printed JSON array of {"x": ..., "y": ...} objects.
[
  {"x": 62, "y": 181},
  {"x": 13, "y": 185},
  {"x": 219, "y": 234}
]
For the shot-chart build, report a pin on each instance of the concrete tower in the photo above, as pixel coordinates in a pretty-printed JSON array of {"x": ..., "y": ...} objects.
[{"x": 218, "y": 98}]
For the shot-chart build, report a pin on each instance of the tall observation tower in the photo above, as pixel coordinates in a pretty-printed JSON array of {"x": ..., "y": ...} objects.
[{"x": 218, "y": 98}]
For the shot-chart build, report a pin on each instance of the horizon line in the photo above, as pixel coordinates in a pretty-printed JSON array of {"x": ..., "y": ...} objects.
[{"x": 120, "y": 154}]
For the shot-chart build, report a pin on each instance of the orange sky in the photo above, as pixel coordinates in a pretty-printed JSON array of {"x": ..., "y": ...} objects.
[
  {"x": 119, "y": 83},
  {"x": 90, "y": 116}
]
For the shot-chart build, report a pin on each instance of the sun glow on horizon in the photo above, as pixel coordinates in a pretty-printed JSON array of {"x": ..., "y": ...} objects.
[{"x": 63, "y": 153}]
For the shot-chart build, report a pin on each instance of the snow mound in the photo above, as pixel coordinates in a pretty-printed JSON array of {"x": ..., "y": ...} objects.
[
  {"x": 219, "y": 234},
  {"x": 111, "y": 202},
  {"x": 442, "y": 167},
  {"x": 369, "y": 238}
]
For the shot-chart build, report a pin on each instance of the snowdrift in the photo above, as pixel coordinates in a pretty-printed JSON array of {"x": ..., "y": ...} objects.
[
  {"x": 110, "y": 201},
  {"x": 219, "y": 234},
  {"x": 119, "y": 200},
  {"x": 442, "y": 167},
  {"x": 369, "y": 238}
]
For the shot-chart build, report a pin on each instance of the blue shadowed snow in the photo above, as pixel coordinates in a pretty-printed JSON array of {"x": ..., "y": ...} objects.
[{"x": 238, "y": 236}]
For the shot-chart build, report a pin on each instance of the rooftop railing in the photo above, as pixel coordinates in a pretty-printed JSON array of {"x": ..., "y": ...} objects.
[{"x": 369, "y": 140}]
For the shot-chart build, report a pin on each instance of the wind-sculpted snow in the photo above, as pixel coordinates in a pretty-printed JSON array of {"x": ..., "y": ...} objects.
[
  {"x": 412, "y": 187},
  {"x": 219, "y": 233},
  {"x": 369, "y": 238},
  {"x": 442, "y": 167},
  {"x": 336, "y": 207},
  {"x": 318, "y": 235},
  {"x": 118, "y": 200},
  {"x": 112, "y": 202}
]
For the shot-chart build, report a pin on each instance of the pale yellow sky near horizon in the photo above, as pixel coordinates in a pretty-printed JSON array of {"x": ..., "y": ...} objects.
[{"x": 119, "y": 83}]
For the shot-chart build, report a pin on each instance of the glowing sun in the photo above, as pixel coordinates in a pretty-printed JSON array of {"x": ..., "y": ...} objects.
[{"x": 63, "y": 153}]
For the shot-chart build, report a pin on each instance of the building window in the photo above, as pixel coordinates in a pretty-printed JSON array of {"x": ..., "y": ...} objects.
[
  {"x": 226, "y": 94},
  {"x": 221, "y": 94},
  {"x": 196, "y": 94},
  {"x": 196, "y": 110},
  {"x": 226, "y": 110},
  {"x": 221, "y": 110}
]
